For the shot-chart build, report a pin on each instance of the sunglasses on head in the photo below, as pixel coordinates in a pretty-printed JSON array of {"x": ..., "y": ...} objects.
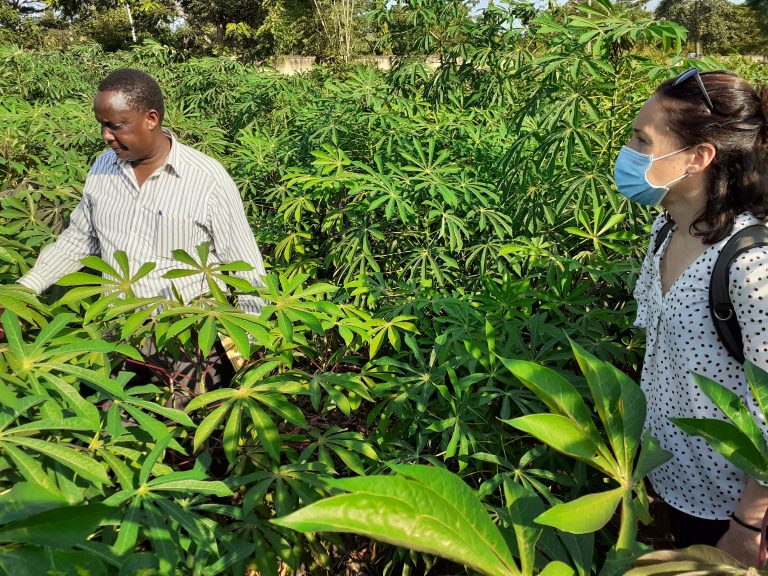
[{"x": 694, "y": 73}]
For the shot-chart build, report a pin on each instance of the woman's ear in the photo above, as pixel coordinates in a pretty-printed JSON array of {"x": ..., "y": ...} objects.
[{"x": 703, "y": 155}]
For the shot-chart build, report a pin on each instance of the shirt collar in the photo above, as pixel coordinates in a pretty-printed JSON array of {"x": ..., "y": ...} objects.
[{"x": 172, "y": 162}]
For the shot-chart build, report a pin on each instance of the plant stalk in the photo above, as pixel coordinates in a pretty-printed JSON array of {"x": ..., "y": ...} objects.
[{"x": 628, "y": 527}]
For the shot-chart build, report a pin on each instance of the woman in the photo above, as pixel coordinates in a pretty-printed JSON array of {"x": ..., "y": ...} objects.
[{"x": 699, "y": 148}]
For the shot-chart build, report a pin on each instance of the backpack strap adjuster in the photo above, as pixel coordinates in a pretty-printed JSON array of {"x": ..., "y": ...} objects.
[
  {"x": 720, "y": 305},
  {"x": 717, "y": 312}
]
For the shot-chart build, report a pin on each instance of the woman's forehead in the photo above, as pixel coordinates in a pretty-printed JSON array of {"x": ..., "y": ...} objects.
[{"x": 653, "y": 119}]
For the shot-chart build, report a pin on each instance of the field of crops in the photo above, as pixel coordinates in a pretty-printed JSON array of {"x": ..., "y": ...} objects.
[{"x": 426, "y": 231}]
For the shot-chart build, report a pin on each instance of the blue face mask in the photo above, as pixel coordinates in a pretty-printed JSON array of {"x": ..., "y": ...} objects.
[{"x": 631, "y": 175}]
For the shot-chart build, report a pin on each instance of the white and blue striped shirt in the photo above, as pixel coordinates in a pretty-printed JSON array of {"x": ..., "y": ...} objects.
[{"x": 189, "y": 200}]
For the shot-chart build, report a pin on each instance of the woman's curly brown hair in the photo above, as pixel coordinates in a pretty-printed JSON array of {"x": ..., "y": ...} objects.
[{"x": 738, "y": 129}]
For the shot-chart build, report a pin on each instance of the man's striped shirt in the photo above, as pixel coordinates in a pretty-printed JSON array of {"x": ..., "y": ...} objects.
[{"x": 189, "y": 200}]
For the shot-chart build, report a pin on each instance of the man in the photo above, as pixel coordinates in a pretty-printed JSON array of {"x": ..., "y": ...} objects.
[{"x": 149, "y": 195}]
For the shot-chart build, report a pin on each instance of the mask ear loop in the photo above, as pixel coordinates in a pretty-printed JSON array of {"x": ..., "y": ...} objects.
[
  {"x": 653, "y": 159},
  {"x": 683, "y": 177}
]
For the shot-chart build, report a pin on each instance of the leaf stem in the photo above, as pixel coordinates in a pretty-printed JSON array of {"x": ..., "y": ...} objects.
[{"x": 628, "y": 528}]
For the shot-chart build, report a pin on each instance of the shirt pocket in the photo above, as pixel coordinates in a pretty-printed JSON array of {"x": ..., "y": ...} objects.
[{"x": 177, "y": 234}]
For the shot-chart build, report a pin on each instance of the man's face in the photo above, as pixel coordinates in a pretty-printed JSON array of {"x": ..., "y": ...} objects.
[{"x": 127, "y": 131}]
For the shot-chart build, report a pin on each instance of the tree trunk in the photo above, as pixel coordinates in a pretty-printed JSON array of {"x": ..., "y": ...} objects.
[{"x": 130, "y": 21}]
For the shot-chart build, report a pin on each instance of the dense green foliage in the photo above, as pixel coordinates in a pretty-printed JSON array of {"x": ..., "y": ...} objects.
[
  {"x": 332, "y": 30},
  {"x": 418, "y": 226}
]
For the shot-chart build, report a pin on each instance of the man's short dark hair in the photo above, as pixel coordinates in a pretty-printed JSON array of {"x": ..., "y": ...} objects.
[{"x": 140, "y": 89}]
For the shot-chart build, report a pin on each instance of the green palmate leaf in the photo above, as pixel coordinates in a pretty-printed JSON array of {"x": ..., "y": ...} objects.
[
  {"x": 280, "y": 405},
  {"x": 83, "y": 278},
  {"x": 194, "y": 525},
  {"x": 207, "y": 426},
  {"x": 59, "y": 528},
  {"x": 556, "y": 392},
  {"x": 237, "y": 266},
  {"x": 25, "y": 499},
  {"x": 238, "y": 336},
  {"x": 140, "y": 564},
  {"x": 83, "y": 465},
  {"x": 163, "y": 542},
  {"x": 557, "y": 568},
  {"x": 72, "y": 397},
  {"x": 651, "y": 456},
  {"x": 128, "y": 531},
  {"x": 632, "y": 411},
  {"x": 122, "y": 260},
  {"x": 153, "y": 457},
  {"x": 239, "y": 550},
  {"x": 170, "y": 413},
  {"x": 191, "y": 486},
  {"x": 180, "y": 273},
  {"x": 76, "y": 423},
  {"x": 12, "y": 329},
  {"x": 392, "y": 520},
  {"x": 729, "y": 441},
  {"x": 34, "y": 561},
  {"x": 698, "y": 559},
  {"x": 524, "y": 506},
  {"x": 758, "y": 383},
  {"x": 207, "y": 336},
  {"x": 431, "y": 511},
  {"x": 54, "y": 327},
  {"x": 736, "y": 412},
  {"x": 603, "y": 382},
  {"x": 98, "y": 380},
  {"x": 102, "y": 551},
  {"x": 266, "y": 430},
  {"x": 101, "y": 266},
  {"x": 210, "y": 398},
  {"x": 29, "y": 468},
  {"x": 203, "y": 250},
  {"x": 350, "y": 460},
  {"x": 583, "y": 515},
  {"x": 563, "y": 435},
  {"x": 185, "y": 258},
  {"x": 231, "y": 437}
]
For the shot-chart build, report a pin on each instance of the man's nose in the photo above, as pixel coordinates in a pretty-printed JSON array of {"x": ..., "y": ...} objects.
[{"x": 106, "y": 134}]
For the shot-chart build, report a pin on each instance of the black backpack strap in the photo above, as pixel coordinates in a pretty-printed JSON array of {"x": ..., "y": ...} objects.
[
  {"x": 664, "y": 231},
  {"x": 720, "y": 305}
]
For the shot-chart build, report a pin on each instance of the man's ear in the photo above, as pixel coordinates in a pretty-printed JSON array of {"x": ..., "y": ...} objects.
[
  {"x": 703, "y": 155},
  {"x": 152, "y": 118}
]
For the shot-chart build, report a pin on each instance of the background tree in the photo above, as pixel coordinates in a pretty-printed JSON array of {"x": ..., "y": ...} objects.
[
  {"x": 424, "y": 27},
  {"x": 751, "y": 31},
  {"x": 761, "y": 9},
  {"x": 116, "y": 24},
  {"x": 715, "y": 26}
]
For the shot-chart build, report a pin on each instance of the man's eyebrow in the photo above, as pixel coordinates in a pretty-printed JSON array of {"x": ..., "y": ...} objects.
[{"x": 638, "y": 131}]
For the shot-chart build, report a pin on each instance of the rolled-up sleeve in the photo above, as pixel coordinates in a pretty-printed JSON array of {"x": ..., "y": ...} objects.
[
  {"x": 64, "y": 255},
  {"x": 233, "y": 238}
]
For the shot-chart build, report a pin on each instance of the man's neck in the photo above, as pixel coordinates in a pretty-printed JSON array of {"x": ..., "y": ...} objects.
[{"x": 162, "y": 149}]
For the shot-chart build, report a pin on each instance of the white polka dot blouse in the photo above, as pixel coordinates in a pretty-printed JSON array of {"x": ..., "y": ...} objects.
[{"x": 681, "y": 339}]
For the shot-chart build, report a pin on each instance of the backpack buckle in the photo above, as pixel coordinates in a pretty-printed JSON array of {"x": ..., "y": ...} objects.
[{"x": 723, "y": 312}]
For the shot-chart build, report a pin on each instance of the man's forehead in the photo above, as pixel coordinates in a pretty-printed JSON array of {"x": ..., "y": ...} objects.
[{"x": 117, "y": 101}]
